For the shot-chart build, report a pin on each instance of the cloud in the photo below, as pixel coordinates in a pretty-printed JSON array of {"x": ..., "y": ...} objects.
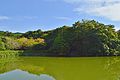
[
  {"x": 101, "y": 8},
  {"x": 111, "y": 12},
  {"x": 4, "y": 18},
  {"x": 24, "y": 75},
  {"x": 63, "y": 18}
]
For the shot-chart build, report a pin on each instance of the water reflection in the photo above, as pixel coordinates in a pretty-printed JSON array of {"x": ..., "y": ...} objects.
[
  {"x": 22, "y": 75},
  {"x": 112, "y": 67},
  {"x": 60, "y": 68},
  {"x": 8, "y": 64}
]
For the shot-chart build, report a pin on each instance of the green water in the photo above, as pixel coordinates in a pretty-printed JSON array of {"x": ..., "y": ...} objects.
[{"x": 51, "y": 68}]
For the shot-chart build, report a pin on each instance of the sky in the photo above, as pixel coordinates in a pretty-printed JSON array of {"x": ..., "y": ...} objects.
[{"x": 29, "y": 15}]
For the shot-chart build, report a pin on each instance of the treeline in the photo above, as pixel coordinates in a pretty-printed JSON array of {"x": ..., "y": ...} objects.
[
  {"x": 8, "y": 43},
  {"x": 83, "y": 38}
]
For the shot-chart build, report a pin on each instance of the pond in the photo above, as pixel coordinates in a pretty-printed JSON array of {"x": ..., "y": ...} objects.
[{"x": 58, "y": 68}]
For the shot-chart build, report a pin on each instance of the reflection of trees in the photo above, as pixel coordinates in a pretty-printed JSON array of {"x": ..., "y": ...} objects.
[
  {"x": 112, "y": 66},
  {"x": 8, "y": 64}
]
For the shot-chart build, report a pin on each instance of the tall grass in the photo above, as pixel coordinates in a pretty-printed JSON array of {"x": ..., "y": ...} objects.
[
  {"x": 15, "y": 53},
  {"x": 10, "y": 53}
]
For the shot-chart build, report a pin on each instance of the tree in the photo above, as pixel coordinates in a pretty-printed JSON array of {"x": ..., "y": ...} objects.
[
  {"x": 2, "y": 45},
  {"x": 10, "y": 43},
  {"x": 32, "y": 34}
]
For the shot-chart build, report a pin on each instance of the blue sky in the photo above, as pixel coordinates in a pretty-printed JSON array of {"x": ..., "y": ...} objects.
[{"x": 25, "y": 15}]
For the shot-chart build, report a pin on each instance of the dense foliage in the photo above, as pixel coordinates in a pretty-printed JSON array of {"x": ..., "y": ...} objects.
[{"x": 83, "y": 38}]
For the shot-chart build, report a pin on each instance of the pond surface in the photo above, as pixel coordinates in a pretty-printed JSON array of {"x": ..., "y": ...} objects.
[{"x": 51, "y": 68}]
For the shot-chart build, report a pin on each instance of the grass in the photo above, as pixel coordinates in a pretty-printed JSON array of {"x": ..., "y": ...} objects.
[
  {"x": 14, "y": 53},
  {"x": 10, "y": 53}
]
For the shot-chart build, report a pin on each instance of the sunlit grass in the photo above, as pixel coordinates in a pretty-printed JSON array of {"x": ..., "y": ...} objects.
[{"x": 10, "y": 53}]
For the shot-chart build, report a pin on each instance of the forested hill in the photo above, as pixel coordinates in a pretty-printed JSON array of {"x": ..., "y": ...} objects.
[{"x": 83, "y": 38}]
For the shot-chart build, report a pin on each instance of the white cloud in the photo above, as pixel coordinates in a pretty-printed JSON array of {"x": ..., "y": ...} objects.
[
  {"x": 105, "y": 8},
  {"x": 63, "y": 18},
  {"x": 4, "y": 18},
  {"x": 111, "y": 12}
]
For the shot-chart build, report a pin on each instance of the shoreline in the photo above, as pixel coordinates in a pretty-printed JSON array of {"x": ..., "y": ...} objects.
[{"x": 44, "y": 53}]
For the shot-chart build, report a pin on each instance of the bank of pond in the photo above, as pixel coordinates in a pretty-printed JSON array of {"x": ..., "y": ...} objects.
[{"x": 43, "y": 53}]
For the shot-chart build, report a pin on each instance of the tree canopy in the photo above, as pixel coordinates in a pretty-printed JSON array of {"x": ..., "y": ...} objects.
[{"x": 83, "y": 38}]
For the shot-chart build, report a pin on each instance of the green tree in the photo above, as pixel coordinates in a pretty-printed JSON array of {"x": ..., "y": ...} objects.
[{"x": 2, "y": 45}]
